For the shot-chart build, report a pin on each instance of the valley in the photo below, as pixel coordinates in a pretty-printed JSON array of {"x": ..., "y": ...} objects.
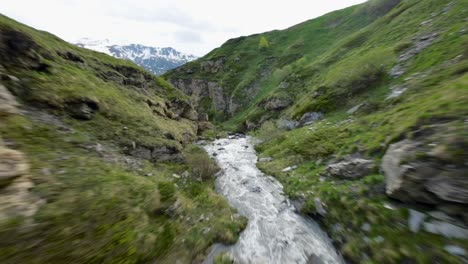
[{"x": 342, "y": 139}]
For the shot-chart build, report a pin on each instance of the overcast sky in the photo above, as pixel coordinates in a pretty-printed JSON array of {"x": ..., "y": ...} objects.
[{"x": 191, "y": 26}]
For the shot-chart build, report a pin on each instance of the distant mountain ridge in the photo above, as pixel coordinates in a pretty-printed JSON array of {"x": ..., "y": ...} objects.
[{"x": 155, "y": 59}]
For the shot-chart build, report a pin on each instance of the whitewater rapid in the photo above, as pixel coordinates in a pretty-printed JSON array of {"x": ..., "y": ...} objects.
[{"x": 275, "y": 233}]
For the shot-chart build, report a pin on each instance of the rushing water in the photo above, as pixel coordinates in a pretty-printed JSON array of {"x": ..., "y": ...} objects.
[{"x": 275, "y": 233}]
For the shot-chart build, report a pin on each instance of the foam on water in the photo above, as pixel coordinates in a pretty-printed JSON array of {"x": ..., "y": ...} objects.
[{"x": 275, "y": 233}]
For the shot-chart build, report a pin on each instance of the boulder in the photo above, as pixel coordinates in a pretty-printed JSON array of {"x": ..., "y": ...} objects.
[
  {"x": 416, "y": 174},
  {"x": 204, "y": 126},
  {"x": 8, "y": 103},
  {"x": 309, "y": 118},
  {"x": 405, "y": 182},
  {"x": 351, "y": 168},
  {"x": 190, "y": 113},
  {"x": 276, "y": 104},
  {"x": 167, "y": 154},
  {"x": 287, "y": 124},
  {"x": 449, "y": 188}
]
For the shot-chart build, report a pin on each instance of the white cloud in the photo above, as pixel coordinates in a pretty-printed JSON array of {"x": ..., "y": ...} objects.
[{"x": 190, "y": 26}]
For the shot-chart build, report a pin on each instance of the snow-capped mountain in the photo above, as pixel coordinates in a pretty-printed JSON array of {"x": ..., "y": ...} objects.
[{"x": 155, "y": 59}]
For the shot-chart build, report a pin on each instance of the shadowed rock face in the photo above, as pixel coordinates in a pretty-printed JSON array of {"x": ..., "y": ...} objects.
[{"x": 22, "y": 51}]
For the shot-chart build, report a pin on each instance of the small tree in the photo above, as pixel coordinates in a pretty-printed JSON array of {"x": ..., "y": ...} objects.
[{"x": 263, "y": 44}]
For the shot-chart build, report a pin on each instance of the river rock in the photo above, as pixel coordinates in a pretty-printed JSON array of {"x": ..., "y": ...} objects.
[
  {"x": 446, "y": 229},
  {"x": 319, "y": 208},
  {"x": 455, "y": 250},
  {"x": 288, "y": 169},
  {"x": 351, "y": 169},
  {"x": 267, "y": 159}
]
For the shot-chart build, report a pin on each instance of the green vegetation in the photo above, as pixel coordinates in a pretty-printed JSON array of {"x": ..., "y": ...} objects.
[
  {"x": 263, "y": 44},
  {"x": 223, "y": 259},
  {"x": 335, "y": 63},
  {"x": 89, "y": 119}
]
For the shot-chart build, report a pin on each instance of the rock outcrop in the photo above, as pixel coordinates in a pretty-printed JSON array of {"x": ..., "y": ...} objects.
[
  {"x": 200, "y": 90},
  {"x": 310, "y": 118},
  {"x": 16, "y": 199},
  {"x": 158, "y": 154},
  {"x": 351, "y": 168},
  {"x": 8, "y": 103},
  {"x": 421, "y": 172}
]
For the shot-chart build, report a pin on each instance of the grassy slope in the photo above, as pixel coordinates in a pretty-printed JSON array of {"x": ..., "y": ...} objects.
[
  {"x": 97, "y": 210},
  {"x": 333, "y": 69},
  {"x": 246, "y": 65}
]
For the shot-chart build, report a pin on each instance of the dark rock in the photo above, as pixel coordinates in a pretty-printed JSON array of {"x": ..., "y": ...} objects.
[
  {"x": 203, "y": 117},
  {"x": 83, "y": 109},
  {"x": 213, "y": 66},
  {"x": 167, "y": 154},
  {"x": 20, "y": 50},
  {"x": 351, "y": 169},
  {"x": 256, "y": 189},
  {"x": 406, "y": 181},
  {"x": 276, "y": 104},
  {"x": 309, "y": 118},
  {"x": 141, "y": 152},
  {"x": 71, "y": 56}
]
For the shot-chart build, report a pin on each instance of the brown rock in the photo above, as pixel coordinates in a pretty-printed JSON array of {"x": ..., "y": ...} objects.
[{"x": 8, "y": 103}]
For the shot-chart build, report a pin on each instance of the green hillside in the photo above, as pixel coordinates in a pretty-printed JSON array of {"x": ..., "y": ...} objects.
[
  {"x": 96, "y": 160},
  {"x": 385, "y": 82}
]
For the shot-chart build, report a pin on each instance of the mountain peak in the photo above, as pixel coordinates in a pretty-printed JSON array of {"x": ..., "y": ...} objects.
[{"x": 157, "y": 60}]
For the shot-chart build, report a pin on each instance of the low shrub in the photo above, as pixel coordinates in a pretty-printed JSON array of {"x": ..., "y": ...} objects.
[{"x": 201, "y": 165}]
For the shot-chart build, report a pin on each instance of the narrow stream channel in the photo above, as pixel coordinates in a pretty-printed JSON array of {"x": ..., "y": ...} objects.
[{"x": 275, "y": 233}]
